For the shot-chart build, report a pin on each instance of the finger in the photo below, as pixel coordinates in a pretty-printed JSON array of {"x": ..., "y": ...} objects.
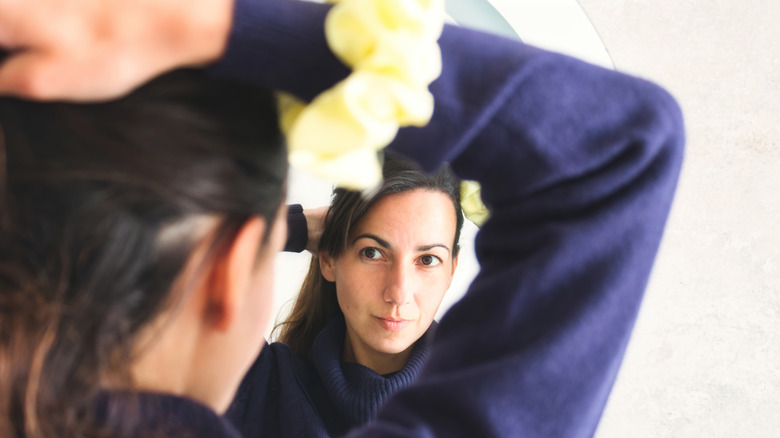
[
  {"x": 9, "y": 9},
  {"x": 19, "y": 21},
  {"x": 29, "y": 75}
]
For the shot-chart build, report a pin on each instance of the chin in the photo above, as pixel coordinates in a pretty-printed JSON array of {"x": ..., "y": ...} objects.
[
  {"x": 394, "y": 346},
  {"x": 394, "y": 350}
]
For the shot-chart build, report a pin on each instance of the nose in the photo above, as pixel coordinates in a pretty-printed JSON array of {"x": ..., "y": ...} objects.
[{"x": 399, "y": 288}]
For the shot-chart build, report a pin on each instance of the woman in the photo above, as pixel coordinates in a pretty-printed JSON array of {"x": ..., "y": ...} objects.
[
  {"x": 135, "y": 256},
  {"x": 360, "y": 327},
  {"x": 578, "y": 165}
]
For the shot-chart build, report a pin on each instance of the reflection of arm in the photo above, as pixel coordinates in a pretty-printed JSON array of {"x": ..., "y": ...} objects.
[
  {"x": 280, "y": 44},
  {"x": 578, "y": 166},
  {"x": 304, "y": 228},
  {"x": 297, "y": 233}
]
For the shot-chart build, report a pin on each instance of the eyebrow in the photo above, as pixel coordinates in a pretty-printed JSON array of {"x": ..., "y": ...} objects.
[{"x": 384, "y": 244}]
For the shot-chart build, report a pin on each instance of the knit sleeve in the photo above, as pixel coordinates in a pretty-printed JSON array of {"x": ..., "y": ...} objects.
[
  {"x": 578, "y": 166},
  {"x": 280, "y": 44},
  {"x": 297, "y": 231}
]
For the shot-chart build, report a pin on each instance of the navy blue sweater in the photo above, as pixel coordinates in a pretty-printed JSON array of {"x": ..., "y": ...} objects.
[
  {"x": 283, "y": 395},
  {"x": 578, "y": 165}
]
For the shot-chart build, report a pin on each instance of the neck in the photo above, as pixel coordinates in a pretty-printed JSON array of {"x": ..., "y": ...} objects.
[
  {"x": 380, "y": 363},
  {"x": 165, "y": 360}
]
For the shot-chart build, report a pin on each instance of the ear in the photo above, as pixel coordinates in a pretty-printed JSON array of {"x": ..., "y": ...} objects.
[
  {"x": 232, "y": 275},
  {"x": 327, "y": 266}
]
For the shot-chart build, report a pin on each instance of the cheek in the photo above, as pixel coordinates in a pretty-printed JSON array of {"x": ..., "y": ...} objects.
[
  {"x": 348, "y": 296},
  {"x": 428, "y": 303},
  {"x": 344, "y": 289},
  {"x": 355, "y": 287}
]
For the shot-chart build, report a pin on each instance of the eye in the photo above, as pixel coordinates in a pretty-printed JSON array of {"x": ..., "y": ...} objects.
[
  {"x": 430, "y": 260},
  {"x": 371, "y": 253}
]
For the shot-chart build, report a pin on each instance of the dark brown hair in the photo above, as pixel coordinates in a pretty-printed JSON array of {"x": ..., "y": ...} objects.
[
  {"x": 86, "y": 195},
  {"x": 316, "y": 303}
]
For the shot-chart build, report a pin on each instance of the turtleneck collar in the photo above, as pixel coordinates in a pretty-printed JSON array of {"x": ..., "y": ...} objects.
[{"x": 358, "y": 392}]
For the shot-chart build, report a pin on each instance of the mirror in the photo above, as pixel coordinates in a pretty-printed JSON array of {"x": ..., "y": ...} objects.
[{"x": 559, "y": 25}]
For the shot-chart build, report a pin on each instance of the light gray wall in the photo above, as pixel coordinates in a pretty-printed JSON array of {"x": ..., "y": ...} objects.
[{"x": 705, "y": 357}]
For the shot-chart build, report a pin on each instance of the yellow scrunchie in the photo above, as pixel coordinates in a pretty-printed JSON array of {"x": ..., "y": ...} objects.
[
  {"x": 471, "y": 202},
  {"x": 392, "y": 50}
]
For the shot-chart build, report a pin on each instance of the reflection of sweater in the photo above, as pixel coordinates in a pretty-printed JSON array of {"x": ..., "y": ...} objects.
[
  {"x": 578, "y": 165},
  {"x": 285, "y": 396},
  {"x": 297, "y": 232}
]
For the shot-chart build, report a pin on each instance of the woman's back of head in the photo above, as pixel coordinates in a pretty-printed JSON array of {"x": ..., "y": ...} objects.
[{"x": 98, "y": 214}]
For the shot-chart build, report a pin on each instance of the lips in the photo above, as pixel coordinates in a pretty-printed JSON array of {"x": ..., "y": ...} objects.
[{"x": 392, "y": 324}]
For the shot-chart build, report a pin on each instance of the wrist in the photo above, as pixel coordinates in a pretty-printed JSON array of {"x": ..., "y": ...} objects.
[
  {"x": 297, "y": 230},
  {"x": 205, "y": 30},
  {"x": 265, "y": 33}
]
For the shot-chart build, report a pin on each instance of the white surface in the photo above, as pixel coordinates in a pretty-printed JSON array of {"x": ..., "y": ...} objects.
[{"x": 559, "y": 25}]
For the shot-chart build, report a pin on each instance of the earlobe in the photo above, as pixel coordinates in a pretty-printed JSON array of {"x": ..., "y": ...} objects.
[
  {"x": 326, "y": 267},
  {"x": 232, "y": 274}
]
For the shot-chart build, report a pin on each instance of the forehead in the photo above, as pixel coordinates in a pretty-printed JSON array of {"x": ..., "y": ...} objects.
[{"x": 417, "y": 217}]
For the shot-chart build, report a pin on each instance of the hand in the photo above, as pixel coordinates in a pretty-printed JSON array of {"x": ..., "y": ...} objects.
[
  {"x": 100, "y": 49},
  {"x": 315, "y": 223}
]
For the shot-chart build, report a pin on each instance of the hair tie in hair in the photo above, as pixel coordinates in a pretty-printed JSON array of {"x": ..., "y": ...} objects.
[
  {"x": 391, "y": 46},
  {"x": 471, "y": 203}
]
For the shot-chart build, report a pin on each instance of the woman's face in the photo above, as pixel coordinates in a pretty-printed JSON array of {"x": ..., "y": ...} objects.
[{"x": 394, "y": 272}]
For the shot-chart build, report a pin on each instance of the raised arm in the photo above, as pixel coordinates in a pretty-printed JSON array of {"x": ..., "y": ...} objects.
[
  {"x": 304, "y": 228},
  {"x": 578, "y": 165}
]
